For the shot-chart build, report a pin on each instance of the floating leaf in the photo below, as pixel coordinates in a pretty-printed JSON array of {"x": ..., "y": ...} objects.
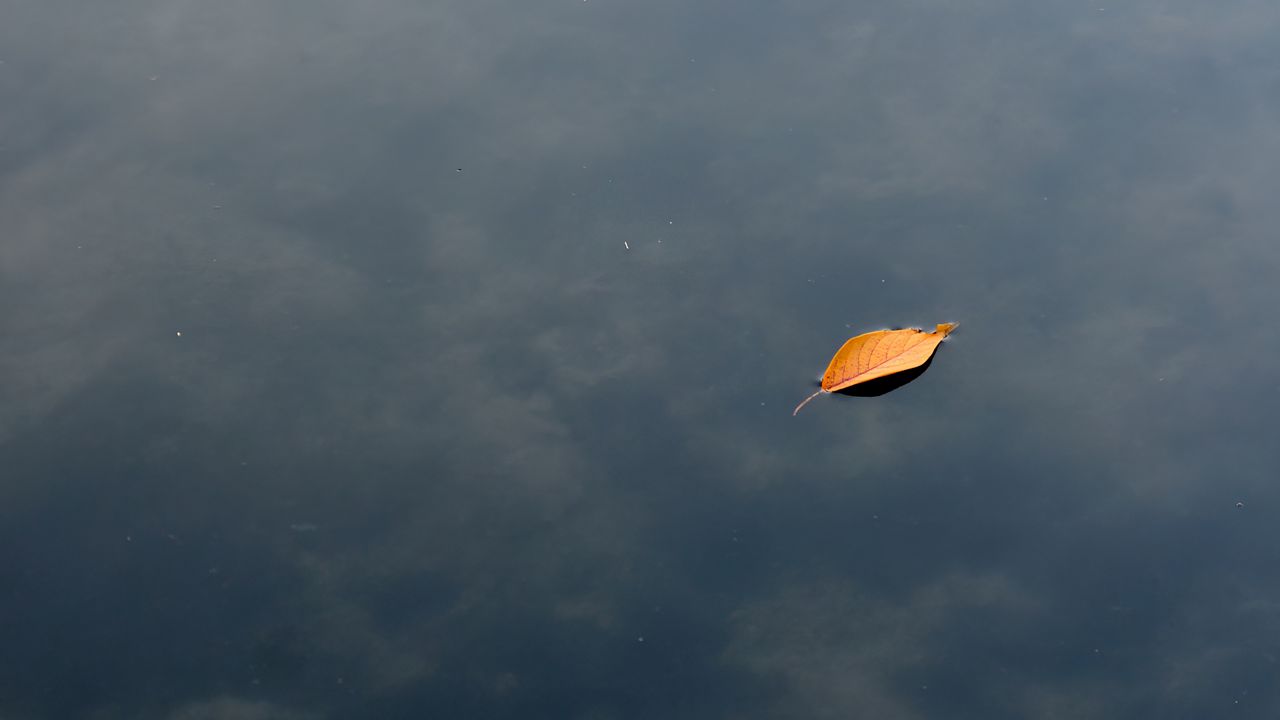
[{"x": 877, "y": 354}]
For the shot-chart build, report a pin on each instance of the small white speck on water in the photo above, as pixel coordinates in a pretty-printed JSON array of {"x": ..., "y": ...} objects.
[
  {"x": 179, "y": 333},
  {"x": 641, "y": 638},
  {"x": 626, "y": 244}
]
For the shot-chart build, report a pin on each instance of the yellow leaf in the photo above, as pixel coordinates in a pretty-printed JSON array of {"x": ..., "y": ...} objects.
[{"x": 878, "y": 354}]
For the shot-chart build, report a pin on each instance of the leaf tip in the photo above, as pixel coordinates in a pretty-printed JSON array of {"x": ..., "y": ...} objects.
[{"x": 946, "y": 329}]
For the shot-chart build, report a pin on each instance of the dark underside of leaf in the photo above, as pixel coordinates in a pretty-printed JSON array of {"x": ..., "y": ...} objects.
[{"x": 886, "y": 384}]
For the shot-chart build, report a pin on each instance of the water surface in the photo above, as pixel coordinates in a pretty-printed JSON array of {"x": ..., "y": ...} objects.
[{"x": 436, "y": 359}]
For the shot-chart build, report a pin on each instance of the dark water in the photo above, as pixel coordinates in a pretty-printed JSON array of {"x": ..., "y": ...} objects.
[{"x": 410, "y": 359}]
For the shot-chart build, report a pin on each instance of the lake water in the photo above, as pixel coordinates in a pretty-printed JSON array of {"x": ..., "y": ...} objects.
[{"x": 412, "y": 359}]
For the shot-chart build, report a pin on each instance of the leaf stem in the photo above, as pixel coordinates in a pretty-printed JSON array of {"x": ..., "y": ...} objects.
[{"x": 805, "y": 402}]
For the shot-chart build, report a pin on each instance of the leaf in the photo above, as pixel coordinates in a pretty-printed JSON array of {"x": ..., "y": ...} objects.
[{"x": 877, "y": 354}]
